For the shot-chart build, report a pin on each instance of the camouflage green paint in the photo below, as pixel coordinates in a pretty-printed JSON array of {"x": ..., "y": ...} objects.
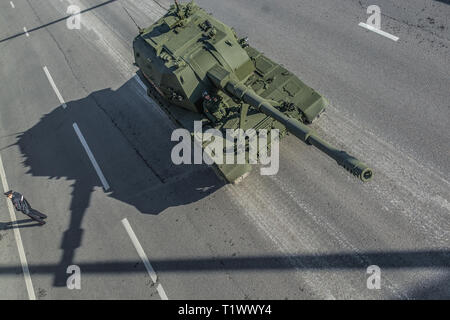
[{"x": 197, "y": 63}]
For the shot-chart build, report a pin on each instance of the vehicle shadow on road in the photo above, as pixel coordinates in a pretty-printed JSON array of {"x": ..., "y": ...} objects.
[{"x": 118, "y": 125}]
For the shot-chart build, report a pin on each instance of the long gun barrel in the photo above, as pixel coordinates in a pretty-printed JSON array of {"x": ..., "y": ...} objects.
[
  {"x": 177, "y": 4},
  {"x": 221, "y": 79}
]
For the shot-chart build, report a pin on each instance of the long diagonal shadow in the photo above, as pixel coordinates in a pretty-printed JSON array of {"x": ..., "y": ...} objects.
[
  {"x": 431, "y": 259},
  {"x": 55, "y": 21},
  {"x": 435, "y": 288}
]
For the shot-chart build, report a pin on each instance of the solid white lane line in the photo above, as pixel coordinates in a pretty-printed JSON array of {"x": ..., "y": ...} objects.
[
  {"x": 52, "y": 83},
  {"x": 380, "y": 32},
  {"x": 91, "y": 157},
  {"x": 140, "y": 82},
  {"x": 22, "y": 256},
  {"x": 12, "y": 4},
  {"x": 26, "y": 31},
  {"x": 144, "y": 258}
]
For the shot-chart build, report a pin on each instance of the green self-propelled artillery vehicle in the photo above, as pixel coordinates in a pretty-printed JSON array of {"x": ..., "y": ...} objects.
[{"x": 197, "y": 68}]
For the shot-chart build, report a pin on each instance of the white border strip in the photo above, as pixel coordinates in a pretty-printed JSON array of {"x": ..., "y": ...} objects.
[
  {"x": 12, "y": 5},
  {"x": 380, "y": 32},
  {"x": 161, "y": 112},
  {"x": 136, "y": 77},
  {"x": 91, "y": 157},
  {"x": 144, "y": 259},
  {"x": 22, "y": 256},
  {"x": 26, "y": 31},
  {"x": 52, "y": 83}
]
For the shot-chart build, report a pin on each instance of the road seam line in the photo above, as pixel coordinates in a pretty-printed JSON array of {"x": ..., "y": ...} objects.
[
  {"x": 380, "y": 32},
  {"x": 91, "y": 157},
  {"x": 22, "y": 255},
  {"x": 144, "y": 259},
  {"x": 52, "y": 83}
]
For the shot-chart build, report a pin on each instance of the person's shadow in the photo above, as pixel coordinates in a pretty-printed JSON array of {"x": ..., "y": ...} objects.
[
  {"x": 51, "y": 148},
  {"x": 22, "y": 223}
]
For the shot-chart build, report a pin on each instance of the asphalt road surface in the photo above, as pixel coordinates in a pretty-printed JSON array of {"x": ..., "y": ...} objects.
[{"x": 309, "y": 232}]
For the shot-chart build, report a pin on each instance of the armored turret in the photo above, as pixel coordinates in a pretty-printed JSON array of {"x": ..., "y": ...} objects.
[{"x": 191, "y": 61}]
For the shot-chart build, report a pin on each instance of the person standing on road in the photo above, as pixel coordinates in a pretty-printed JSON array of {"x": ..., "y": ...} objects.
[{"x": 21, "y": 204}]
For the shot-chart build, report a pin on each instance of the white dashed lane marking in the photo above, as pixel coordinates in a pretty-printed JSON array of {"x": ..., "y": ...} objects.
[
  {"x": 91, "y": 157},
  {"x": 380, "y": 32},
  {"x": 52, "y": 83},
  {"x": 144, "y": 259}
]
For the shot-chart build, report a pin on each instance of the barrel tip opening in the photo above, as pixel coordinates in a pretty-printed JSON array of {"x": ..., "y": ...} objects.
[{"x": 366, "y": 175}]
